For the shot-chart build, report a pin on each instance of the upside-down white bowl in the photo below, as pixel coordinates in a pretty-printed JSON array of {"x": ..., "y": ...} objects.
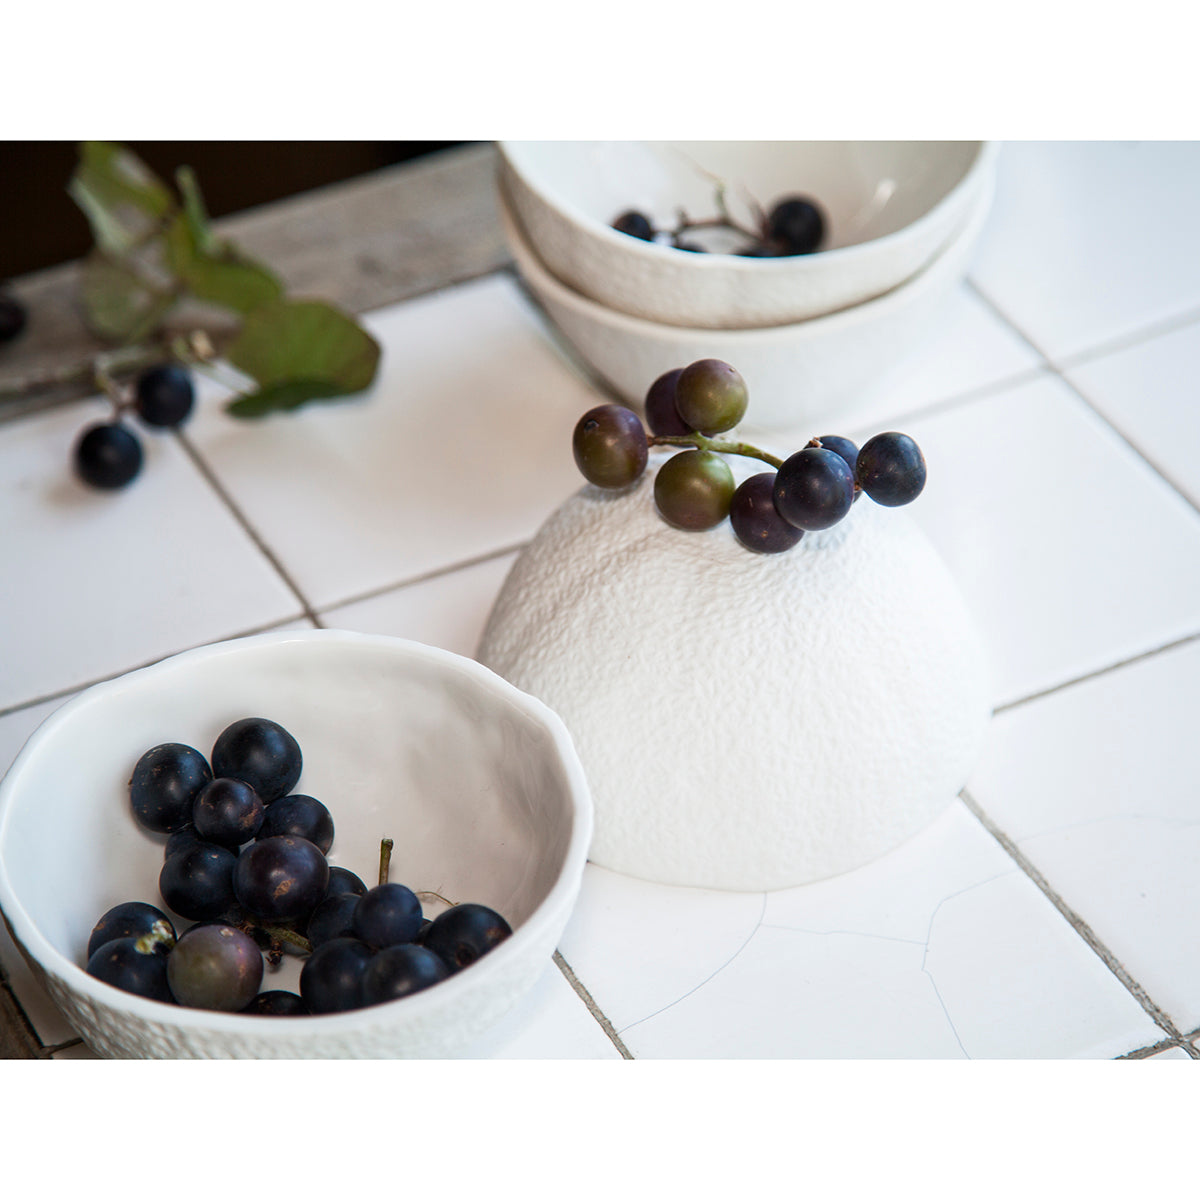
[
  {"x": 477, "y": 783},
  {"x": 797, "y": 375},
  {"x": 891, "y": 208}
]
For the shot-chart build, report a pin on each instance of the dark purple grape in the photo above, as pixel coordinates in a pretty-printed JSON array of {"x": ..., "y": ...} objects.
[
  {"x": 183, "y": 838},
  {"x": 164, "y": 396},
  {"x": 280, "y": 878},
  {"x": 332, "y": 918},
  {"x": 891, "y": 469},
  {"x": 842, "y": 446},
  {"x": 133, "y": 964},
  {"x": 343, "y": 880},
  {"x": 756, "y": 520},
  {"x": 197, "y": 883},
  {"x": 332, "y": 976},
  {"x": 609, "y": 445},
  {"x": 401, "y": 970},
  {"x": 299, "y": 816},
  {"x": 13, "y": 318},
  {"x": 132, "y": 919},
  {"x": 107, "y": 455},
  {"x": 165, "y": 783},
  {"x": 276, "y": 1003},
  {"x": 387, "y": 915},
  {"x": 710, "y": 396},
  {"x": 796, "y": 224},
  {"x": 693, "y": 490},
  {"x": 215, "y": 966},
  {"x": 261, "y": 753},
  {"x": 635, "y": 224},
  {"x": 227, "y": 812},
  {"x": 462, "y": 934},
  {"x": 814, "y": 488},
  {"x": 661, "y": 414}
]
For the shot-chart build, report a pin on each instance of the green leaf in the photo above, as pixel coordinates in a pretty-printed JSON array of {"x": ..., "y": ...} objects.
[
  {"x": 220, "y": 275},
  {"x": 195, "y": 212},
  {"x": 121, "y": 198},
  {"x": 118, "y": 305},
  {"x": 304, "y": 344}
]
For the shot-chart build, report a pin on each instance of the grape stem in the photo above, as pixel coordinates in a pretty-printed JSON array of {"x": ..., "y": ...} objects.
[
  {"x": 385, "y": 859},
  {"x": 700, "y": 442}
]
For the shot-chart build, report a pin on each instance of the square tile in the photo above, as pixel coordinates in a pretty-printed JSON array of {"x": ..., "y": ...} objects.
[
  {"x": 1148, "y": 391},
  {"x": 1097, "y": 786},
  {"x": 1070, "y": 551},
  {"x": 941, "y": 949},
  {"x": 97, "y": 582},
  {"x": 1089, "y": 241},
  {"x": 461, "y": 449}
]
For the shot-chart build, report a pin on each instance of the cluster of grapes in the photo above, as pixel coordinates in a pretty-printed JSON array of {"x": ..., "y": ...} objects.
[
  {"x": 793, "y": 225},
  {"x": 813, "y": 489},
  {"x": 245, "y": 859},
  {"x": 108, "y": 454}
]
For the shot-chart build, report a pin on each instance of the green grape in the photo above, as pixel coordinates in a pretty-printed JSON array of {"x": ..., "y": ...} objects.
[
  {"x": 711, "y": 396},
  {"x": 693, "y": 490},
  {"x": 610, "y": 446}
]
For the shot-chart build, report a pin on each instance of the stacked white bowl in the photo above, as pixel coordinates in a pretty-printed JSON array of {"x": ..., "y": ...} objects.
[{"x": 814, "y": 335}]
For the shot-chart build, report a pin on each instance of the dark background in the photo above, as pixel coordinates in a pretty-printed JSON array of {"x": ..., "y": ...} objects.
[{"x": 40, "y": 224}]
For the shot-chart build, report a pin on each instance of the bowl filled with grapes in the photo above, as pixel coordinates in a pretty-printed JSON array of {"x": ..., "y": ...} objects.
[
  {"x": 740, "y": 235},
  {"x": 315, "y": 844}
]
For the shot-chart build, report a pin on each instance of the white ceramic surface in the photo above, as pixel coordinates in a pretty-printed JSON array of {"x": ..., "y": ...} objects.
[
  {"x": 746, "y": 721},
  {"x": 890, "y": 207},
  {"x": 798, "y": 375},
  {"x": 478, "y": 785}
]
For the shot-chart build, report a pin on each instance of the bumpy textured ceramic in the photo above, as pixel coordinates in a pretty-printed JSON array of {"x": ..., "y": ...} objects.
[
  {"x": 800, "y": 376},
  {"x": 891, "y": 208},
  {"x": 477, "y": 784},
  {"x": 747, "y": 722}
]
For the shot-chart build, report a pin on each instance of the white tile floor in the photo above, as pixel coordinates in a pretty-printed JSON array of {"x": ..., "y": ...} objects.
[{"x": 1051, "y": 912}]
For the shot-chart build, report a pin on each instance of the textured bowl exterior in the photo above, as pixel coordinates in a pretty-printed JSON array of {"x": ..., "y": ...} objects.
[
  {"x": 747, "y": 722},
  {"x": 726, "y": 291},
  {"x": 799, "y": 375},
  {"x": 478, "y": 784}
]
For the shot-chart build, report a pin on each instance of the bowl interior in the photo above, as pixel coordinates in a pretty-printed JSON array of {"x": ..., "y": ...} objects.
[
  {"x": 399, "y": 740},
  {"x": 867, "y": 189}
]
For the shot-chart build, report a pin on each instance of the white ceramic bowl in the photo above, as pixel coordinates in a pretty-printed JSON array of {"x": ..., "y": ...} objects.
[
  {"x": 477, "y": 783},
  {"x": 891, "y": 208},
  {"x": 798, "y": 375}
]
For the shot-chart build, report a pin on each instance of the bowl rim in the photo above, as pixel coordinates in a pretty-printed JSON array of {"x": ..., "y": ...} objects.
[
  {"x": 562, "y": 892},
  {"x": 528, "y": 260},
  {"x": 839, "y": 258}
]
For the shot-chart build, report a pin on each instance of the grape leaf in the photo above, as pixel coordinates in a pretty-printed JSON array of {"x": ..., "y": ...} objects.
[
  {"x": 220, "y": 274},
  {"x": 282, "y": 397},
  {"x": 122, "y": 199},
  {"x": 118, "y": 305}
]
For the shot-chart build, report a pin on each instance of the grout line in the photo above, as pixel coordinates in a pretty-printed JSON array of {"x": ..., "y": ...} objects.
[
  {"x": 1076, "y": 922},
  {"x": 241, "y": 518},
  {"x": 592, "y": 1006},
  {"x": 1127, "y": 341},
  {"x": 998, "y": 312},
  {"x": 1157, "y": 1048},
  {"x": 1100, "y": 672}
]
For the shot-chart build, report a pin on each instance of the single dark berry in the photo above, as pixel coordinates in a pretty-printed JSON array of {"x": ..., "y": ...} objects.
[
  {"x": 693, "y": 490},
  {"x": 197, "y": 883},
  {"x": 165, "y": 783},
  {"x": 261, "y": 753},
  {"x": 332, "y": 918},
  {"x": 215, "y": 966},
  {"x": 756, "y": 520},
  {"x": 299, "y": 816},
  {"x": 796, "y": 224},
  {"x": 13, "y": 318},
  {"x": 401, "y": 970},
  {"x": 891, "y": 469},
  {"x": 462, "y": 934},
  {"x": 661, "y": 414},
  {"x": 332, "y": 976},
  {"x": 636, "y": 224},
  {"x": 164, "y": 396},
  {"x": 280, "y": 878},
  {"x": 227, "y": 812},
  {"x": 343, "y": 880},
  {"x": 387, "y": 915},
  {"x": 107, "y": 455},
  {"x": 814, "y": 488},
  {"x": 183, "y": 838},
  {"x": 133, "y": 964},
  {"x": 276, "y": 1003},
  {"x": 842, "y": 446},
  {"x": 710, "y": 396},
  {"x": 132, "y": 919},
  {"x": 609, "y": 445}
]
